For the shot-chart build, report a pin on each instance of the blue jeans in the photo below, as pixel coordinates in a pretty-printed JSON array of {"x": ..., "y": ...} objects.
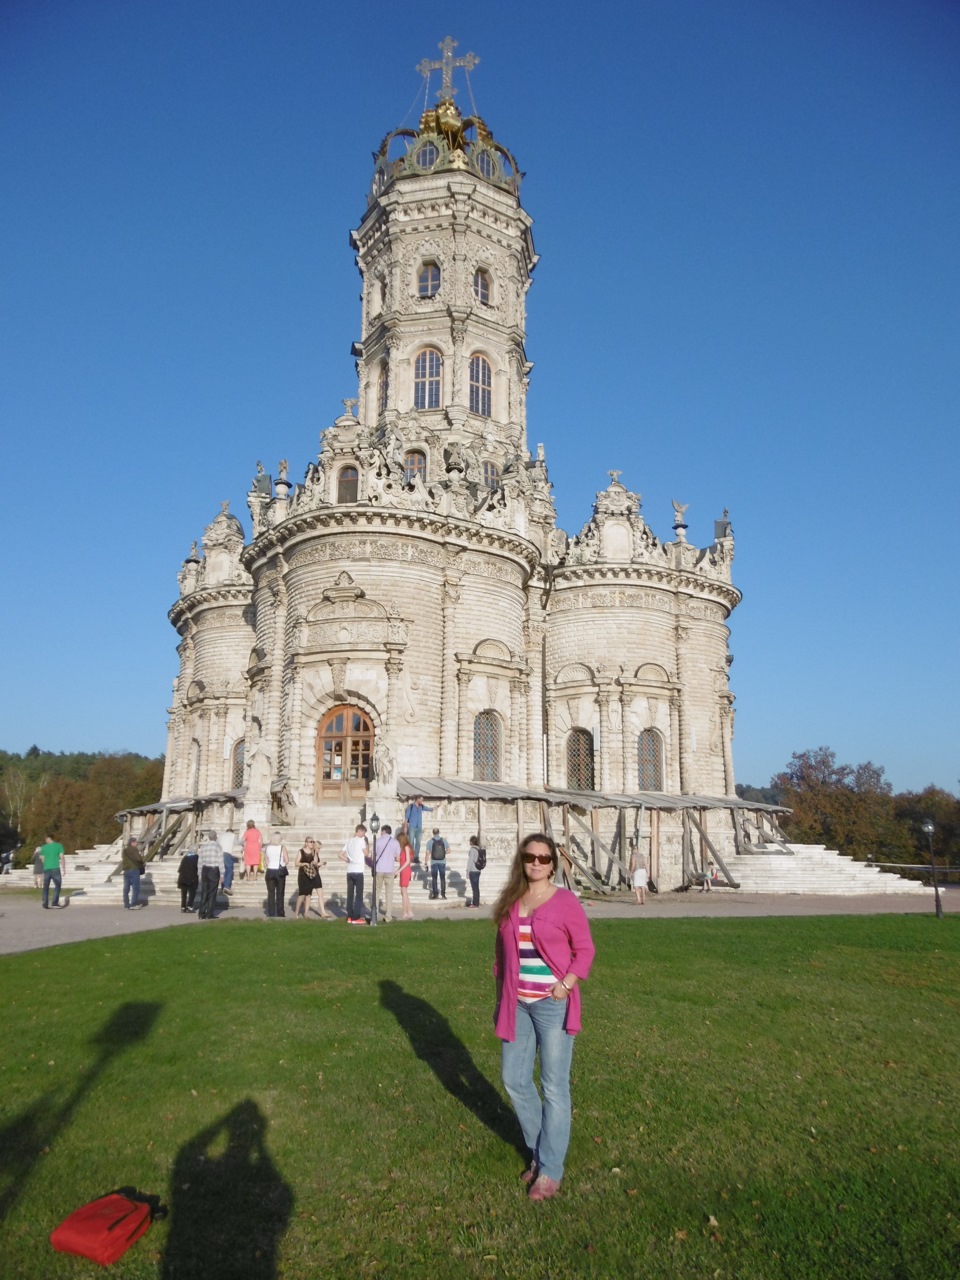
[
  {"x": 355, "y": 909},
  {"x": 416, "y": 835},
  {"x": 229, "y": 862},
  {"x": 131, "y": 887},
  {"x": 546, "y": 1124},
  {"x": 51, "y": 878},
  {"x": 474, "y": 878},
  {"x": 438, "y": 870}
]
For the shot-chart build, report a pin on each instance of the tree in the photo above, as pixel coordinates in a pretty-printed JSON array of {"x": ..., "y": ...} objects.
[
  {"x": 943, "y": 809},
  {"x": 846, "y": 807}
]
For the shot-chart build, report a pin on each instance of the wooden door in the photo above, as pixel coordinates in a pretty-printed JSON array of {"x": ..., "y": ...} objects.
[{"x": 344, "y": 755}]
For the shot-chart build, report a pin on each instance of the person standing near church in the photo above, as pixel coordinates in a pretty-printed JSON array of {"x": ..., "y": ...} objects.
[
  {"x": 414, "y": 820},
  {"x": 252, "y": 850},
  {"x": 437, "y": 864},
  {"x": 54, "y": 869},
  {"x": 354, "y": 854},
  {"x": 387, "y": 851},
  {"x": 277, "y": 864},
  {"x": 133, "y": 867},
  {"x": 229, "y": 860},
  {"x": 476, "y": 861},
  {"x": 209, "y": 860}
]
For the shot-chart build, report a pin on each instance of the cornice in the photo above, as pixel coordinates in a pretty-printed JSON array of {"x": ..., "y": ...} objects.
[
  {"x": 209, "y": 597},
  {"x": 299, "y": 527},
  {"x": 642, "y": 575}
]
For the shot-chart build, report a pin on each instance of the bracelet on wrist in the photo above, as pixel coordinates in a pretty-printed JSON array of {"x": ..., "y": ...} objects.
[{"x": 563, "y": 983}]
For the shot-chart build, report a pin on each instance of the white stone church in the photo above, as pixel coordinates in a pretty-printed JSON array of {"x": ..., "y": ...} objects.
[{"x": 408, "y": 618}]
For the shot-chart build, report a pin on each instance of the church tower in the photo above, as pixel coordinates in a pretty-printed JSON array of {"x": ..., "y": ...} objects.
[{"x": 446, "y": 254}]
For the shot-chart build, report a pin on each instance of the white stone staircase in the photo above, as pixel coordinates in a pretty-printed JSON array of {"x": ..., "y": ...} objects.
[{"x": 814, "y": 869}]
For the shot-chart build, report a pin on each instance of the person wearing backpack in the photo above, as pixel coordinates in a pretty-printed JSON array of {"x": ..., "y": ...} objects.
[
  {"x": 437, "y": 848},
  {"x": 476, "y": 861}
]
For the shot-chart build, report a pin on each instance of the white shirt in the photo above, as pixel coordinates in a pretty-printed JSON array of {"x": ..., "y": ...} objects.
[
  {"x": 272, "y": 854},
  {"x": 356, "y": 851}
]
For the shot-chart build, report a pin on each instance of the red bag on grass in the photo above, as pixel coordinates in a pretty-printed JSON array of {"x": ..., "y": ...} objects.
[{"x": 104, "y": 1229}]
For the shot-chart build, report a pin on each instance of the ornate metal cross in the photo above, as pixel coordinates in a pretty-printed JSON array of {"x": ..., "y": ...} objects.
[{"x": 446, "y": 65}]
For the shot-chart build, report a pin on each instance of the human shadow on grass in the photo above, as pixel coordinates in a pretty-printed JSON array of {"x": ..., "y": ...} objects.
[
  {"x": 435, "y": 1043},
  {"x": 29, "y": 1135},
  {"x": 229, "y": 1205}
]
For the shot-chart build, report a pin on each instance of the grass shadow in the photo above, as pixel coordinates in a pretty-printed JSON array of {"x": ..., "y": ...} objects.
[
  {"x": 435, "y": 1043},
  {"x": 229, "y": 1205},
  {"x": 27, "y": 1136}
]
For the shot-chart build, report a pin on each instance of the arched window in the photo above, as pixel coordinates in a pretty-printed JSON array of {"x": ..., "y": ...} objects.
[
  {"x": 481, "y": 381},
  {"x": 427, "y": 369},
  {"x": 236, "y": 764},
  {"x": 414, "y": 464},
  {"x": 650, "y": 761},
  {"x": 348, "y": 485},
  {"x": 481, "y": 286},
  {"x": 383, "y": 385},
  {"x": 491, "y": 476},
  {"x": 427, "y": 155},
  {"x": 428, "y": 281},
  {"x": 580, "y": 760},
  {"x": 486, "y": 165},
  {"x": 486, "y": 747}
]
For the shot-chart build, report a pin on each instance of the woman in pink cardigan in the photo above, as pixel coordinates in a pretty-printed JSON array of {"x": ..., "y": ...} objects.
[{"x": 544, "y": 950}]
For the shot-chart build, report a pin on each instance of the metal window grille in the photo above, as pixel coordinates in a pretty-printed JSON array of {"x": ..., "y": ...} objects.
[
  {"x": 486, "y": 165},
  {"x": 650, "y": 761},
  {"x": 481, "y": 382},
  {"x": 414, "y": 464},
  {"x": 428, "y": 155},
  {"x": 426, "y": 380},
  {"x": 382, "y": 387},
  {"x": 486, "y": 747},
  {"x": 236, "y": 764},
  {"x": 580, "y": 760}
]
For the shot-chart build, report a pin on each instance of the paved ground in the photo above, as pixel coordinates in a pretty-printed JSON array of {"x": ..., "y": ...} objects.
[{"x": 25, "y": 926}]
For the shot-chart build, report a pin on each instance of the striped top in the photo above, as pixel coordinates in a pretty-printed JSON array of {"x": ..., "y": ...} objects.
[{"x": 536, "y": 979}]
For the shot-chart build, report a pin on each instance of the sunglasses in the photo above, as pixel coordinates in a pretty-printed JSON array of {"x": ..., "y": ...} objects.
[{"x": 543, "y": 858}]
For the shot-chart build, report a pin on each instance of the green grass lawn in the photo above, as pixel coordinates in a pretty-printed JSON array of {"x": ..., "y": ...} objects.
[{"x": 753, "y": 1098}]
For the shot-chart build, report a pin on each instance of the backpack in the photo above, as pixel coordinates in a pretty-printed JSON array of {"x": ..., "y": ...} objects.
[
  {"x": 438, "y": 848},
  {"x": 104, "y": 1229},
  {"x": 481, "y": 858}
]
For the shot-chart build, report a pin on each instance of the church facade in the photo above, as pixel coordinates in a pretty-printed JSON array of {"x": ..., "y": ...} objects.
[{"x": 410, "y": 608}]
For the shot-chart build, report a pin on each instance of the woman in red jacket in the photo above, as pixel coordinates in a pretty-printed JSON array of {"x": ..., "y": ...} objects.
[{"x": 543, "y": 951}]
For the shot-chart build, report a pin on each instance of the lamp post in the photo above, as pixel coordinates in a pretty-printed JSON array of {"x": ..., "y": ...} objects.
[
  {"x": 374, "y": 828},
  {"x": 928, "y": 829}
]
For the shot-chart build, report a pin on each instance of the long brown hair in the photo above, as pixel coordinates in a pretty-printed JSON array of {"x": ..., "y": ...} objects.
[{"x": 516, "y": 885}]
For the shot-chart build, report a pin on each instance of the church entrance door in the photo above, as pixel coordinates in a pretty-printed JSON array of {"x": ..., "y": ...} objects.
[{"x": 344, "y": 755}]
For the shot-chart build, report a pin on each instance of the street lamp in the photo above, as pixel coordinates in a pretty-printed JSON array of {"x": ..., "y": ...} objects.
[
  {"x": 374, "y": 828},
  {"x": 928, "y": 829}
]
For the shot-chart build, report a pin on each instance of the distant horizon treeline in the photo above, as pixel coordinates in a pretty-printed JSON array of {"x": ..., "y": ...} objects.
[
  {"x": 853, "y": 809},
  {"x": 73, "y": 796}
]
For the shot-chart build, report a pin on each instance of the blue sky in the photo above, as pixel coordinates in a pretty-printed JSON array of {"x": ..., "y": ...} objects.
[{"x": 748, "y": 216}]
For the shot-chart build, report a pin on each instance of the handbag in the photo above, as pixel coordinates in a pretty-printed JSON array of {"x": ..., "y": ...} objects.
[{"x": 104, "y": 1229}]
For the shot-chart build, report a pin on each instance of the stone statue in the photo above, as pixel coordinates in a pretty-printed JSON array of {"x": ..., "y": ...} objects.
[{"x": 383, "y": 762}]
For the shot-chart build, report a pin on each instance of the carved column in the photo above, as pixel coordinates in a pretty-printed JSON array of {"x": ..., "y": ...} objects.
[
  {"x": 394, "y": 666},
  {"x": 457, "y": 380},
  {"x": 274, "y": 709},
  {"x": 295, "y": 746},
  {"x": 676, "y": 737},
  {"x": 726, "y": 734},
  {"x": 516, "y": 728},
  {"x": 683, "y": 676},
  {"x": 536, "y": 729},
  {"x": 631, "y": 780},
  {"x": 464, "y": 736},
  {"x": 604, "y": 694},
  {"x": 448, "y": 681},
  {"x": 201, "y": 731}
]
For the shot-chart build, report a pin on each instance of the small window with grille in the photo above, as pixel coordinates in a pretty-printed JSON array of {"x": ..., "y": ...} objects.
[
  {"x": 481, "y": 286},
  {"x": 491, "y": 476},
  {"x": 650, "y": 760},
  {"x": 486, "y": 747},
  {"x": 428, "y": 155},
  {"x": 236, "y": 764},
  {"x": 580, "y": 760}
]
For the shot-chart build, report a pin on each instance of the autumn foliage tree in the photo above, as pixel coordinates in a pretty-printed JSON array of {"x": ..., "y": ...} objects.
[
  {"x": 74, "y": 796},
  {"x": 850, "y": 808}
]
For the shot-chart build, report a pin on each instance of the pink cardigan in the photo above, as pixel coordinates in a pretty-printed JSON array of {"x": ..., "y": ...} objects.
[{"x": 561, "y": 933}]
